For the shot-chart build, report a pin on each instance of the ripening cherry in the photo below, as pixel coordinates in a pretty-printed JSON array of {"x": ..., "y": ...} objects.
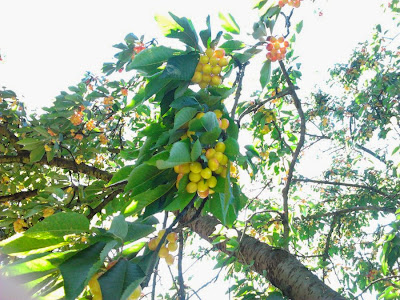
[
  {"x": 204, "y": 59},
  {"x": 207, "y": 69},
  {"x": 191, "y": 187},
  {"x": 220, "y": 147},
  {"x": 169, "y": 259},
  {"x": 214, "y": 61},
  {"x": 219, "y": 53},
  {"x": 172, "y": 237},
  {"x": 216, "y": 70},
  {"x": 194, "y": 177},
  {"x": 224, "y": 124},
  {"x": 206, "y": 78},
  {"x": 216, "y": 80},
  {"x": 195, "y": 167},
  {"x": 197, "y": 77},
  {"x": 209, "y": 52},
  {"x": 172, "y": 247},
  {"x": 212, "y": 182},
  {"x": 223, "y": 62},
  {"x": 163, "y": 252}
]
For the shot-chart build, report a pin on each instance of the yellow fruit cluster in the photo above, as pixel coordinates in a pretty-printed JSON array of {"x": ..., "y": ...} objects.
[
  {"x": 208, "y": 70},
  {"x": 103, "y": 139},
  {"x": 270, "y": 117},
  {"x": 223, "y": 123},
  {"x": 108, "y": 100},
  {"x": 203, "y": 180},
  {"x": 172, "y": 246},
  {"x": 90, "y": 125},
  {"x": 19, "y": 225},
  {"x": 76, "y": 118}
]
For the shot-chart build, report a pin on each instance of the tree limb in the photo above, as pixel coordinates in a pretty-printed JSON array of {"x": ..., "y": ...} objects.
[{"x": 352, "y": 209}]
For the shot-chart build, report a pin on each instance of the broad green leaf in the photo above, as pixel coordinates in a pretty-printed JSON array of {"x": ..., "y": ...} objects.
[
  {"x": 59, "y": 225},
  {"x": 232, "y": 45},
  {"x": 181, "y": 67},
  {"x": 205, "y": 34},
  {"x": 119, "y": 227},
  {"x": 181, "y": 200},
  {"x": 183, "y": 116},
  {"x": 37, "y": 153},
  {"x": 232, "y": 148},
  {"x": 196, "y": 151},
  {"x": 30, "y": 143},
  {"x": 178, "y": 28},
  {"x": 138, "y": 230},
  {"x": 130, "y": 38},
  {"x": 140, "y": 174},
  {"x": 151, "y": 58},
  {"x": 209, "y": 121},
  {"x": 184, "y": 101},
  {"x": 265, "y": 75},
  {"x": 140, "y": 201},
  {"x": 78, "y": 270},
  {"x": 229, "y": 23},
  {"x": 179, "y": 154},
  {"x": 210, "y": 137},
  {"x": 121, "y": 174},
  {"x": 121, "y": 280},
  {"x": 299, "y": 26}
]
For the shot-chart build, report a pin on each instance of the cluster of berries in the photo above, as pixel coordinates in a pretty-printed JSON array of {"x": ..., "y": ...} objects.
[
  {"x": 20, "y": 225},
  {"x": 76, "y": 118},
  {"x": 202, "y": 180},
  {"x": 47, "y": 212},
  {"x": 124, "y": 92},
  {"x": 270, "y": 116},
  {"x": 208, "y": 70},
  {"x": 293, "y": 3},
  {"x": 90, "y": 125},
  {"x": 172, "y": 246},
  {"x": 276, "y": 48},
  {"x": 140, "y": 47},
  {"x": 103, "y": 139},
  {"x": 108, "y": 100}
]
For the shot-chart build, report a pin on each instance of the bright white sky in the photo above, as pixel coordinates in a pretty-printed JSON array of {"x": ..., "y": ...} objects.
[{"x": 48, "y": 45}]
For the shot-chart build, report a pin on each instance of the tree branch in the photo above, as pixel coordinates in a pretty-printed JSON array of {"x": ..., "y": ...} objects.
[
  {"x": 106, "y": 200},
  {"x": 181, "y": 291},
  {"x": 352, "y": 209},
  {"x": 62, "y": 163},
  {"x": 11, "y": 137},
  {"x": 285, "y": 191},
  {"x": 239, "y": 81}
]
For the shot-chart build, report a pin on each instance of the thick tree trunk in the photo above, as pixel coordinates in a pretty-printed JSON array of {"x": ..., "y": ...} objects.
[{"x": 279, "y": 267}]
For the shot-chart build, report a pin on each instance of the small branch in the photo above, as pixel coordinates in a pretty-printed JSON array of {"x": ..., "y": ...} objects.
[
  {"x": 375, "y": 281},
  {"x": 17, "y": 197},
  {"x": 281, "y": 138},
  {"x": 239, "y": 80},
  {"x": 181, "y": 291},
  {"x": 285, "y": 191},
  {"x": 107, "y": 200},
  {"x": 352, "y": 209},
  {"x": 380, "y": 158},
  {"x": 62, "y": 163},
  {"x": 370, "y": 188},
  {"x": 325, "y": 254}
]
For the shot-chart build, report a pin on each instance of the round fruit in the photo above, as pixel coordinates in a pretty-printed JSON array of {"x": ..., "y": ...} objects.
[
  {"x": 218, "y": 113},
  {"x": 216, "y": 70},
  {"x": 224, "y": 160},
  {"x": 207, "y": 69},
  {"x": 209, "y": 52},
  {"x": 220, "y": 147},
  {"x": 195, "y": 167},
  {"x": 163, "y": 252},
  {"x": 219, "y": 170},
  {"x": 210, "y": 153},
  {"x": 184, "y": 168},
  {"x": 47, "y": 212},
  {"x": 214, "y": 61},
  {"x": 204, "y": 59},
  {"x": 219, "y": 156},
  {"x": 197, "y": 77},
  {"x": 203, "y": 85},
  {"x": 219, "y": 53},
  {"x": 194, "y": 177},
  {"x": 206, "y": 173},
  {"x": 191, "y": 187},
  {"x": 223, "y": 62},
  {"x": 172, "y": 247},
  {"x": 199, "y": 67},
  {"x": 169, "y": 259},
  {"x": 202, "y": 186},
  {"x": 176, "y": 169},
  {"x": 224, "y": 124},
  {"x": 160, "y": 234},
  {"x": 213, "y": 164},
  {"x": 212, "y": 182},
  {"x": 136, "y": 293},
  {"x": 216, "y": 80},
  {"x": 152, "y": 244},
  {"x": 206, "y": 78},
  {"x": 203, "y": 194},
  {"x": 172, "y": 237}
]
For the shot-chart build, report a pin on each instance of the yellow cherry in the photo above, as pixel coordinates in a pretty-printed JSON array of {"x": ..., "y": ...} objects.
[
  {"x": 191, "y": 187},
  {"x": 172, "y": 237},
  {"x": 169, "y": 259},
  {"x": 163, "y": 252},
  {"x": 220, "y": 147},
  {"x": 195, "y": 167},
  {"x": 214, "y": 61},
  {"x": 216, "y": 70},
  {"x": 200, "y": 115},
  {"x": 136, "y": 293},
  {"x": 202, "y": 186},
  {"x": 197, "y": 77},
  {"x": 218, "y": 113},
  {"x": 216, "y": 80},
  {"x": 194, "y": 177},
  {"x": 206, "y": 78},
  {"x": 210, "y": 153},
  {"x": 223, "y": 62},
  {"x": 224, "y": 124},
  {"x": 204, "y": 59},
  {"x": 213, "y": 164},
  {"x": 212, "y": 182},
  {"x": 203, "y": 85},
  {"x": 210, "y": 52},
  {"x": 219, "y": 156},
  {"x": 172, "y": 247},
  {"x": 206, "y": 173},
  {"x": 184, "y": 168},
  {"x": 152, "y": 244},
  {"x": 207, "y": 69}
]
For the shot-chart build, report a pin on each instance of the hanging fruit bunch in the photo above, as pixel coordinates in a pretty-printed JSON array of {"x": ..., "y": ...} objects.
[
  {"x": 276, "y": 48},
  {"x": 170, "y": 245}
]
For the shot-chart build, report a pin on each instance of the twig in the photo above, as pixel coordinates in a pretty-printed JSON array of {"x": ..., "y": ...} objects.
[
  {"x": 239, "y": 81},
  {"x": 107, "y": 200},
  {"x": 181, "y": 291},
  {"x": 285, "y": 191},
  {"x": 375, "y": 281},
  {"x": 352, "y": 209}
]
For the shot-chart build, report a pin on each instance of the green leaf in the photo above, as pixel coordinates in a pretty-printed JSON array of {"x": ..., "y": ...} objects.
[
  {"x": 138, "y": 230},
  {"x": 178, "y": 28},
  {"x": 151, "y": 58},
  {"x": 179, "y": 154},
  {"x": 265, "y": 75},
  {"x": 183, "y": 116},
  {"x": 184, "y": 101},
  {"x": 140, "y": 174},
  {"x": 299, "y": 26},
  {"x": 196, "y": 150},
  {"x": 232, "y": 45},
  {"x": 121, "y": 280},
  {"x": 59, "y": 225},
  {"x": 229, "y": 23},
  {"x": 78, "y": 270},
  {"x": 119, "y": 227},
  {"x": 37, "y": 153},
  {"x": 24, "y": 245},
  {"x": 121, "y": 174},
  {"x": 140, "y": 201},
  {"x": 130, "y": 38},
  {"x": 205, "y": 34},
  {"x": 30, "y": 143},
  {"x": 209, "y": 121},
  {"x": 181, "y": 67},
  {"x": 180, "y": 202},
  {"x": 210, "y": 137},
  {"x": 218, "y": 206},
  {"x": 232, "y": 148}
]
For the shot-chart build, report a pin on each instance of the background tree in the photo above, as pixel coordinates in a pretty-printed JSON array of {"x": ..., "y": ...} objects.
[{"x": 85, "y": 182}]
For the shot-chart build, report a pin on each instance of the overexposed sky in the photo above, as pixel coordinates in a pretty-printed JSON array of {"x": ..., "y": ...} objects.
[{"x": 48, "y": 45}]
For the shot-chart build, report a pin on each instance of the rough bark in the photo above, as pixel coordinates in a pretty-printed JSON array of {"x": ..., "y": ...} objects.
[{"x": 278, "y": 266}]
